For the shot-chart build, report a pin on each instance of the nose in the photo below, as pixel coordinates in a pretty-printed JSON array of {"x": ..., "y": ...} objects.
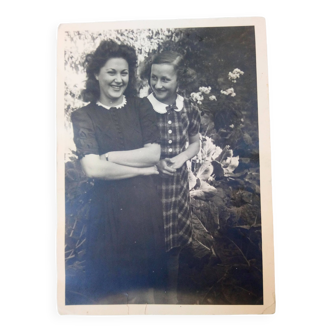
[
  {"x": 158, "y": 85},
  {"x": 118, "y": 78}
]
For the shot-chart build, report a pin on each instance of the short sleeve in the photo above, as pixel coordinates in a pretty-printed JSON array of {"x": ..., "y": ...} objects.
[
  {"x": 84, "y": 134},
  {"x": 194, "y": 118},
  {"x": 148, "y": 120}
]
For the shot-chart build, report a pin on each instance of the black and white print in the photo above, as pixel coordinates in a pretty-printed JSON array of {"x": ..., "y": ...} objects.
[{"x": 220, "y": 259}]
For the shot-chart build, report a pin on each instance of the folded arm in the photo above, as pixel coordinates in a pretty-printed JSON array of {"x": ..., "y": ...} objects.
[
  {"x": 95, "y": 167},
  {"x": 190, "y": 152},
  {"x": 144, "y": 157},
  {"x": 170, "y": 165}
]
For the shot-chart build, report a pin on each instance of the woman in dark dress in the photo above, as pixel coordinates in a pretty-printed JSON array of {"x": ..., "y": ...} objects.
[{"x": 125, "y": 237}]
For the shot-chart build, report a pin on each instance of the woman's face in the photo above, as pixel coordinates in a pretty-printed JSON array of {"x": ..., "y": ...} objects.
[
  {"x": 164, "y": 82},
  {"x": 113, "y": 80}
]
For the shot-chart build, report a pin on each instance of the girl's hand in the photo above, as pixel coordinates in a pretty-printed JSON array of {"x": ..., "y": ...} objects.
[
  {"x": 176, "y": 162},
  {"x": 165, "y": 168}
]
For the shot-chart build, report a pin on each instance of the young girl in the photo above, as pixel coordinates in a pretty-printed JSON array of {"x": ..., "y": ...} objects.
[{"x": 179, "y": 123}]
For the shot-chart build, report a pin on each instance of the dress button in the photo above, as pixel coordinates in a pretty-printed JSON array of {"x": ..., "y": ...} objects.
[
  {"x": 170, "y": 150},
  {"x": 169, "y": 122},
  {"x": 170, "y": 141},
  {"x": 170, "y": 131}
]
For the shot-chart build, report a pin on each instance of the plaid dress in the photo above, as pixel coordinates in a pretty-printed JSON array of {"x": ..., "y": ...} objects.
[{"x": 176, "y": 123}]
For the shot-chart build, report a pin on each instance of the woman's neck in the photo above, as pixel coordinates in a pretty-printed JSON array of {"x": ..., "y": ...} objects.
[{"x": 111, "y": 102}]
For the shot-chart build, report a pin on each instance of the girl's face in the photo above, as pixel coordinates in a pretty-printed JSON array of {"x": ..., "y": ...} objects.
[
  {"x": 164, "y": 82},
  {"x": 113, "y": 80}
]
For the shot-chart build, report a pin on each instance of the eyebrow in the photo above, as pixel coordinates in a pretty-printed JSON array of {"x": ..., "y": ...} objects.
[
  {"x": 161, "y": 76},
  {"x": 115, "y": 69}
]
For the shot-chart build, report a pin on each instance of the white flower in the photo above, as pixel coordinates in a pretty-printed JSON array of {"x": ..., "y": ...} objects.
[
  {"x": 197, "y": 97},
  {"x": 232, "y": 76},
  {"x": 205, "y": 89},
  {"x": 238, "y": 71},
  {"x": 212, "y": 97},
  {"x": 229, "y": 91},
  {"x": 232, "y": 126}
]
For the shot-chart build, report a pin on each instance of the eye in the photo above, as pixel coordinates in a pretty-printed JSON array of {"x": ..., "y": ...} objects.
[{"x": 124, "y": 73}]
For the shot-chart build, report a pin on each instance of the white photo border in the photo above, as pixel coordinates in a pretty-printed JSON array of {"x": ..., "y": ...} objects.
[{"x": 265, "y": 175}]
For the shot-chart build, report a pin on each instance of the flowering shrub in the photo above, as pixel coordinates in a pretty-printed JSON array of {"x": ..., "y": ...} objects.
[
  {"x": 198, "y": 96},
  {"x": 232, "y": 76}
]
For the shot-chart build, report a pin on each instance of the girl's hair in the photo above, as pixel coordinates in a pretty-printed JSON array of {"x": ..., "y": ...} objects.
[
  {"x": 95, "y": 61},
  {"x": 185, "y": 75}
]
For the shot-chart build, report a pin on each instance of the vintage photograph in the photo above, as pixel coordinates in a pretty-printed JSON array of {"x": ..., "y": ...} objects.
[{"x": 163, "y": 196}]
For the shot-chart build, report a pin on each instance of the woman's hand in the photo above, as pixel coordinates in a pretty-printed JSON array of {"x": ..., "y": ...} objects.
[{"x": 164, "y": 167}]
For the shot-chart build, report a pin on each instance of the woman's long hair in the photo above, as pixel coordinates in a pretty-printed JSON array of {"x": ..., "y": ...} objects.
[{"x": 94, "y": 61}]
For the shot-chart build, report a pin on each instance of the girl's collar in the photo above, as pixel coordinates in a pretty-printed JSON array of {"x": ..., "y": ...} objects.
[
  {"x": 160, "y": 107},
  {"x": 124, "y": 102}
]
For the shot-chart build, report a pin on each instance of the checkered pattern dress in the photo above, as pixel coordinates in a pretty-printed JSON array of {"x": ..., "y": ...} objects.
[{"x": 176, "y": 125}]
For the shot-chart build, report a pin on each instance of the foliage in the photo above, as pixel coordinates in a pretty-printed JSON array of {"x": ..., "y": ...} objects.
[
  {"x": 223, "y": 265},
  {"x": 77, "y": 210},
  {"x": 224, "y": 60}
]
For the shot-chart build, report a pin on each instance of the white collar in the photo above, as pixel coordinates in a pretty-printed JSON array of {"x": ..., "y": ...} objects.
[
  {"x": 160, "y": 107},
  {"x": 124, "y": 102}
]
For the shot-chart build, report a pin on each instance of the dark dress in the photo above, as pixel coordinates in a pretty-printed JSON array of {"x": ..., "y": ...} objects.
[{"x": 125, "y": 235}]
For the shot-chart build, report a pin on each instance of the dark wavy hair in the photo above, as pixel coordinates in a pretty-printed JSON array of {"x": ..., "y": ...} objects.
[
  {"x": 106, "y": 50},
  {"x": 185, "y": 75}
]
